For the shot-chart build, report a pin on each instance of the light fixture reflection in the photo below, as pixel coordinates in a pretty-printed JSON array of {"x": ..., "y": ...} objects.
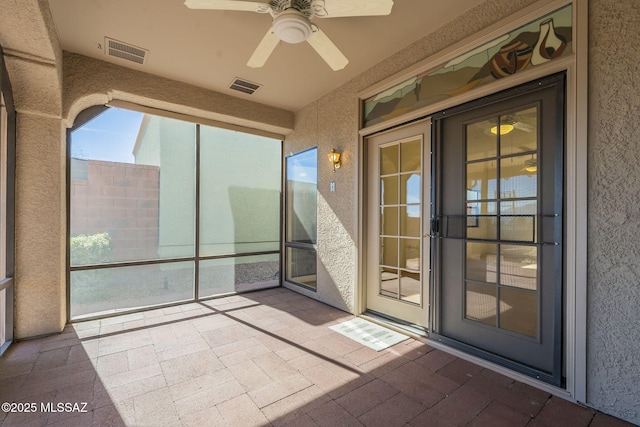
[
  {"x": 531, "y": 165},
  {"x": 334, "y": 159},
  {"x": 504, "y": 129}
]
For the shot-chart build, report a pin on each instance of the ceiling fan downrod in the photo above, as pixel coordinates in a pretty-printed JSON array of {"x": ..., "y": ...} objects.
[{"x": 309, "y": 8}]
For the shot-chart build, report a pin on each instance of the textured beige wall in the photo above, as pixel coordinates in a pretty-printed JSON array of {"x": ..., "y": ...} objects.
[
  {"x": 33, "y": 59},
  {"x": 613, "y": 328},
  {"x": 88, "y": 82},
  {"x": 32, "y": 54},
  {"x": 329, "y": 123},
  {"x": 332, "y": 122},
  {"x": 27, "y": 29},
  {"x": 40, "y": 227}
]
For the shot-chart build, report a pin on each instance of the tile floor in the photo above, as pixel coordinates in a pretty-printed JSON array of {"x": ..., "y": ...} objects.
[{"x": 264, "y": 358}]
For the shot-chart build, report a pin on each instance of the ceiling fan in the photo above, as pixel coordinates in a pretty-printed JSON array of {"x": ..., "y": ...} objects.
[{"x": 292, "y": 22}]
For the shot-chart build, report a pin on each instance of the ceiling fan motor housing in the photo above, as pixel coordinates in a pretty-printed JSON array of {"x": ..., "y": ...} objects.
[{"x": 292, "y": 26}]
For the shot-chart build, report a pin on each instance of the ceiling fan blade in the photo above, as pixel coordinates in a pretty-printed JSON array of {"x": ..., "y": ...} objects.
[
  {"x": 249, "y": 6},
  {"x": 264, "y": 50},
  {"x": 327, "y": 50},
  {"x": 342, "y": 8},
  {"x": 524, "y": 127}
]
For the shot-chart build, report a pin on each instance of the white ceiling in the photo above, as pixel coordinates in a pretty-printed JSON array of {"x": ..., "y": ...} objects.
[{"x": 210, "y": 48}]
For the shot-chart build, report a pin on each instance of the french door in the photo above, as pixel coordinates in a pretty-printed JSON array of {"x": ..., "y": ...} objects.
[
  {"x": 499, "y": 226},
  {"x": 398, "y": 183}
]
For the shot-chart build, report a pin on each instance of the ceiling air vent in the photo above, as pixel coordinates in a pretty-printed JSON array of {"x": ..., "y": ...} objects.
[
  {"x": 244, "y": 86},
  {"x": 125, "y": 51}
]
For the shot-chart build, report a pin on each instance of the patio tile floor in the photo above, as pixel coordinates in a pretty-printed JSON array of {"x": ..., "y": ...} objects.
[{"x": 266, "y": 358}]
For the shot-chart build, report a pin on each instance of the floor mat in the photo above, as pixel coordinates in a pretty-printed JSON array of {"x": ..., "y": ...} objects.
[{"x": 370, "y": 334}]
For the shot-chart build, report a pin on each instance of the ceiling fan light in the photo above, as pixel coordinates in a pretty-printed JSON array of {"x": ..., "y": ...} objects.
[
  {"x": 292, "y": 27},
  {"x": 531, "y": 165},
  {"x": 504, "y": 129}
]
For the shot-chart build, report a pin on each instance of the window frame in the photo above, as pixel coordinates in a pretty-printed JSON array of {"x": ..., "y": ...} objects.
[
  {"x": 92, "y": 112},
  {"x": 292, "y": 245},
  {"x": 7, "y": 200}
]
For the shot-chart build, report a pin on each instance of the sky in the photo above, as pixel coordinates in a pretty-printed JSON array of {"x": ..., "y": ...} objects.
[
  {"x": 303, "y": 166},
  {"x": 110, "y": 136}
]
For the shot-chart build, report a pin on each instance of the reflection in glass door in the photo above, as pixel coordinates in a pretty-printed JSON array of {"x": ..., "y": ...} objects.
[
  {"x": 399, "y": 232},
  {"x": 501, "y": 201}
]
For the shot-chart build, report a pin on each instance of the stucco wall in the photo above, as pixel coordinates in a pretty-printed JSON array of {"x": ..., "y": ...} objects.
[
  {"x": 89, "y": 82},
  {"x": 33, "y": 56},
  {"x": 33, "y": 59},
  {"x": 613, "y": 346},
  {"x": 40, "y": 295}
]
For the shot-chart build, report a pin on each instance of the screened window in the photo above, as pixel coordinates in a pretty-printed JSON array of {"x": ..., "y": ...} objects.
[
  {"x": 301, "y": 218},
  {"x": 240, "y": 194},
  {"x": 163, "y": 210}
]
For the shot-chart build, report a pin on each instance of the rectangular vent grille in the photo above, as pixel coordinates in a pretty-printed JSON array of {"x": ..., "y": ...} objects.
[
  {"x": 244, "y": 86},
  {"x": 125, "y": 51}
]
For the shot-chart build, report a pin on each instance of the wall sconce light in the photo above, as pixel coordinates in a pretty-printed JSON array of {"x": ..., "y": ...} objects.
[{"x": 334, "y": 159}]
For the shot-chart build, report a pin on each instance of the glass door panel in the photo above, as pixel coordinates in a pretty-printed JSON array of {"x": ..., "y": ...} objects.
[
  {"x": 523, "y": 136},
  {"x": 515, "y": 181},
  {"x": 519, "y": 266},
  {"x": 481, "y": 303},
  {"x": 410, "y": 220},
  {"x": 480, "y": 143},
  {"x": 400, "y": 243},
  {"x": 492, "y": 269}
]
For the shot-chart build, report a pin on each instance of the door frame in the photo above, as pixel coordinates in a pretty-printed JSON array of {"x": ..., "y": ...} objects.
[
  {"x": 576, "y": 67},
  {"x": 555, "y": 156}
]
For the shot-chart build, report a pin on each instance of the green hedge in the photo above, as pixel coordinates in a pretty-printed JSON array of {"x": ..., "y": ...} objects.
[{"x": 89, "y": 249}]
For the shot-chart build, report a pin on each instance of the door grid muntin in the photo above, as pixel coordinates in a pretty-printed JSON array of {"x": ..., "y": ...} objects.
[
  {"x": 505, "y": 301},
  {"x": 400, "y": 228}
]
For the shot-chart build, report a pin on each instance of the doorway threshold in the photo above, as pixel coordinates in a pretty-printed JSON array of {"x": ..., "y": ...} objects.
[{"x": 414, "y": 331}]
